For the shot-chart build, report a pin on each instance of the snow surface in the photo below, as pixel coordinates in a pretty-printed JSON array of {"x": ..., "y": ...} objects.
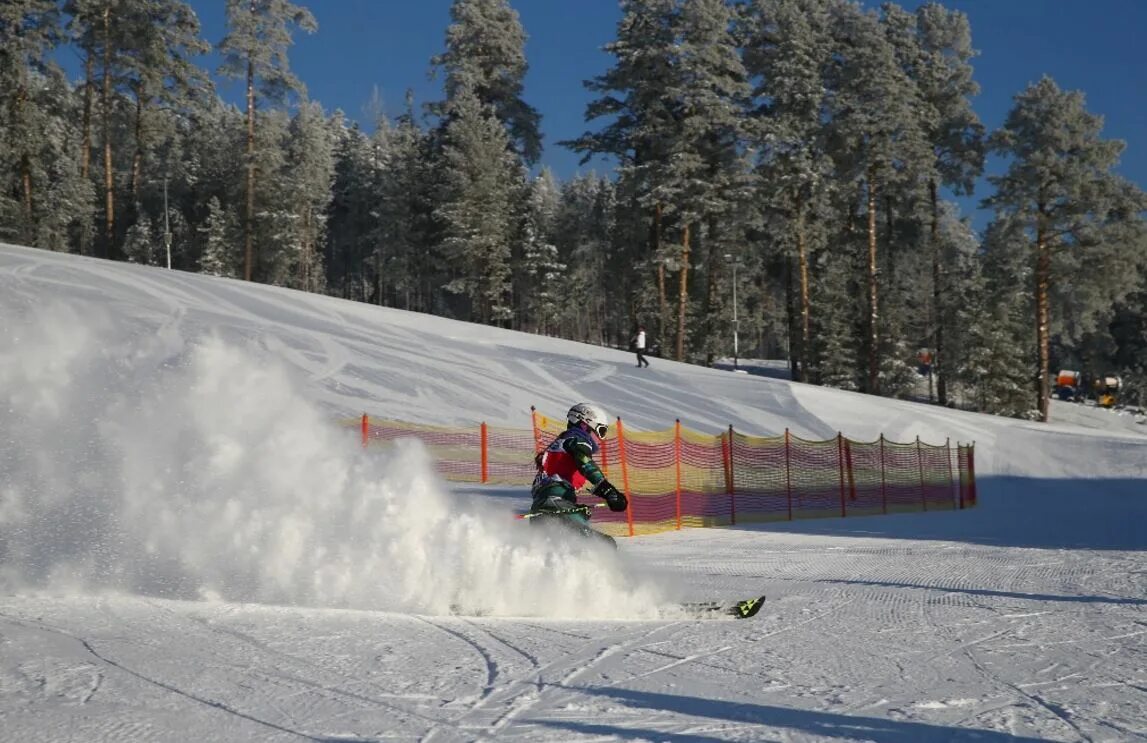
[{"x": 191, "y": 548}]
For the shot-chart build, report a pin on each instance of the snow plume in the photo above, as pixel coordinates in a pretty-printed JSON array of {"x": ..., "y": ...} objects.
[{"x": 204, "y": 473}]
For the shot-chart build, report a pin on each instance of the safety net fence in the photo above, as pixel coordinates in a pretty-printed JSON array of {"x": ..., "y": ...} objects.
[{"x": 679, "y": 478}]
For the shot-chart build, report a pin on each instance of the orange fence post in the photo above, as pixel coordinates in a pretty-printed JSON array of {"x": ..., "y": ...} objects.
[
  {"x": 951, "y": 479},
  {"x": 730, "y": 484},
  {"x": 840, "y": 461},
  {"x": 972, "y": 472},
  {"x": 788, "y": 474},
  {"x": 624, "y": 474},
  {"x": 365, "y": 430},
  {"x": 851, "y": 477},
  {"x": 920, "y": 464},
  {"x": 485, "y": 453},
  {"x": 534, "y": 424},
  {"x": 883, "y": 482},
  {"x": 677, "y": 459}
]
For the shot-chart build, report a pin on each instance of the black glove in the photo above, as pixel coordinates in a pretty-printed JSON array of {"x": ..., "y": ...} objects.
[{"x": 614, "y": 498}]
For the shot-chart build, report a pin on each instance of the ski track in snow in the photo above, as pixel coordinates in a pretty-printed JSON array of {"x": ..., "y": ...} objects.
[{"x": 948, "y": 650}]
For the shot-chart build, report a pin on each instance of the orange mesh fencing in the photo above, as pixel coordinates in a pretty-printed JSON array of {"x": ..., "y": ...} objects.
[
  {"x": 679, "y": 478},
  {"x": 482, "y": 454}
]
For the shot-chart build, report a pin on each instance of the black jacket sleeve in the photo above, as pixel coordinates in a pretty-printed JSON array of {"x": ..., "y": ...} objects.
[{"x": 582, "y": 454}]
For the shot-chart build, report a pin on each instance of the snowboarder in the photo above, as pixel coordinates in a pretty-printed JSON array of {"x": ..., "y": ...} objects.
[{"x": 567, "y": 464}]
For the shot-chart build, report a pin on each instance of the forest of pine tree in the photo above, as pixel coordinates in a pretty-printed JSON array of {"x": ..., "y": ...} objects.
[{"x": 815, "y": 144}]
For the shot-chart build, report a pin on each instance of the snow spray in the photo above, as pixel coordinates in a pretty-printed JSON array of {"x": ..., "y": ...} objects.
[{"x": 137, "y": 460}]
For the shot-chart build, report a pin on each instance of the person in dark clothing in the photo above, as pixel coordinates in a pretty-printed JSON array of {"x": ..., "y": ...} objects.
[
  {"x": 639, "y": 342},
  {"x": 567, "y": 464}
]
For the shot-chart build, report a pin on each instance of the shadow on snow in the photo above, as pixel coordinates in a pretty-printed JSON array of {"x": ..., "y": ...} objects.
[{"x": 811, "y": 722}]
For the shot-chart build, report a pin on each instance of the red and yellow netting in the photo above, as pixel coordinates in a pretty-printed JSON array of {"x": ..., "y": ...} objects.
[{"x": 681, "y": 478}]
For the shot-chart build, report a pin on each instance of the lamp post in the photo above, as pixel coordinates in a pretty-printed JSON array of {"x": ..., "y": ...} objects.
[{"x": 736, "y": 262}]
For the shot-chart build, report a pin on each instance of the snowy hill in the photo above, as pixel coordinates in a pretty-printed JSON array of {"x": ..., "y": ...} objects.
[{"x": 191, "y": 549}]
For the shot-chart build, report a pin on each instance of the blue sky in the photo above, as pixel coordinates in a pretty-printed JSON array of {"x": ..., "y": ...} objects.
[{"x": 364, "y": 45}]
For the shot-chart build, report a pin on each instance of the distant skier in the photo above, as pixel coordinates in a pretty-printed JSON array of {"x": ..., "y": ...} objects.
[
  {"x": 567, "y": 464},
  {"x": 639, "y": 346}
]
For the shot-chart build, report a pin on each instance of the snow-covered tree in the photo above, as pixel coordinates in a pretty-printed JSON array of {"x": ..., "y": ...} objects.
[
  {"x": 541, "y": 297},
  {"x": 876, "y": 140},
  {"x": 480, "y": 177},
  {"x": 306, "y": 180},
  {"x": 139, "y": 245},
  {"x": 219, "y": 240},
  {"x": 995, "y": 358},
  {"x": 255, "y": 49},
  {"x": 1060, "y": 189},
  {"x": 29, "y": 29},
  {"x": 788, "y": 51},
  {"x": 485, "y": 55},
  {"x": 934, "y": 47}
]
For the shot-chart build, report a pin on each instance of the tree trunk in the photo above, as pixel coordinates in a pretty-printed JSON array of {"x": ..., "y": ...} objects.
[
  {"x": 249, "y": 217},
  {"x": 109, "y": 173},
  {"x": 684, "y": 296},
  {"x": 711, "y": 252},
  {"x": 137, "y": 156},
  {"x": 86, "y": 152},
  {"x": 806, "y": 308},
  {"x": 937, "y": 295},
  {"x": 890, "y": 254},
  {"x": 25, "y": 168},
  {"x": 26, "y": 187},
  {"x": 798, "y": 357},
  {"x": 663, "y": 299},
  {"x": 378, "y": 278},
  {"x": 1042, "y": 281},
  {"x": 304, "y": 251},
  {"x": 873, "y": 316},
  {"x": 663, "y": 316}
]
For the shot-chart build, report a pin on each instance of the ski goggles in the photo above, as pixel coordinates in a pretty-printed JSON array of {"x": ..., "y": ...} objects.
[{"x": 601, "y": 430}]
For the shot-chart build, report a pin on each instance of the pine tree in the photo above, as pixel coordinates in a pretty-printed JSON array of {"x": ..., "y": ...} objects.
[
  {"x": 353, "y": 213},
  {"x": 255, "y": 49},
  {"x": 834, "y": 359},
  {"x": 707, "y": 179},
  {"x": 139, "y": 245},
  {"x": 105, "y": 31},
  {"x": 273, "y": 230},
  {"x": 485, "y": 54},
  {"x": 405, "y": 215},
  {"x": 164, "y": 38},
  {"x": 479, "y": 178},
  {"x": 584, "y": 235},
  {"x": 29, "y": 29},
  {"x": 1075, "y": 212},
  {"x": 542, "y": 268},
  {"x": 935, "y": 49},
  {"x": 788, "y": 51},
  {"x": 876, "y": 139},
  {"x": 641, "y": 122},
  {"x": 64, "y": 203},
  {"x": 996, "y": 358},
  {"x": 307, "y": 179},
  {"x": 218, "y": 234}
]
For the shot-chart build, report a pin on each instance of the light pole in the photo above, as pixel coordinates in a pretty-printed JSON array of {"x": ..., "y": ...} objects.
[{"x": 736, "y": 262}]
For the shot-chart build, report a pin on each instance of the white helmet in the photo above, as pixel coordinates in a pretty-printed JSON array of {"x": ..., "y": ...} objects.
[{"x": 590, "y": 414}]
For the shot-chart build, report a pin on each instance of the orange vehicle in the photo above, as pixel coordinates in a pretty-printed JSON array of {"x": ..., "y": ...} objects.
[{"x": 1068, "y": 385}]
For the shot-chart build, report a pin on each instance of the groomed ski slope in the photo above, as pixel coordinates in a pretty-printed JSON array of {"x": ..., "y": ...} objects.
[{"x": 190, "y": 550}]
